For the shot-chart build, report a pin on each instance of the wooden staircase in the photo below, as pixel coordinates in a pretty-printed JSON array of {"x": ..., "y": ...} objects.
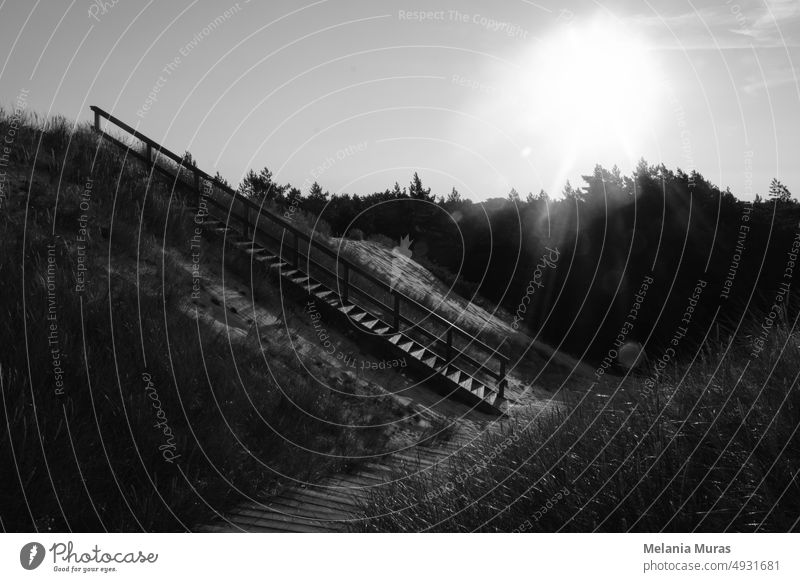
[
  {"x": 459, "y": 383},
  {"x": 324, "y": 277}
]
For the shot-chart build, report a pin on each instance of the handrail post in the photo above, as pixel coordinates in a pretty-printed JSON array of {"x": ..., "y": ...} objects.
[
  {"x": 449, "y": 352},
  {"x": 97, "y": 120},
  {"x": 345, "y": 281},
  {"x": 296, "y": 248},
  {"x": 396, "y": 311},
  {"x": 197, "y": 185},
  {"x": 149, "y": 155},
  {"x": 502, "y": 383}
]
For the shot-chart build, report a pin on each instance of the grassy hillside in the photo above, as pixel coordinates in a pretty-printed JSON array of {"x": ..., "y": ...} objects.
[
  {"x": 707, "y": 447},
  {"x": 123, "y": 413}
]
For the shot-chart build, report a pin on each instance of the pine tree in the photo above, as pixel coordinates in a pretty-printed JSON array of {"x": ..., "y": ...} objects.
[
  {"x": 260, "y": 186},
  {"x": 778, "y": 191},
  {"x": 316, "y": 193},
  {"x": 571, "y": 193},
  {"x": 417, "y": 191},
  {"x": 219, "y": 178},
  {"x": 454, "y": 197}
]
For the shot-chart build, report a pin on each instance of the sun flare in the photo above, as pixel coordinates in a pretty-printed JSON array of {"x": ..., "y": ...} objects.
[{"x": 589, "y": 86}]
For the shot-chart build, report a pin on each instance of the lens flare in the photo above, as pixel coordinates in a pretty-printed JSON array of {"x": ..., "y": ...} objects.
[{"x": 630, "y": 355}]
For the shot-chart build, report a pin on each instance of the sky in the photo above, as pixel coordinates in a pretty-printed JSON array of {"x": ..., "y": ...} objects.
[{"x": 481, "y": 96}]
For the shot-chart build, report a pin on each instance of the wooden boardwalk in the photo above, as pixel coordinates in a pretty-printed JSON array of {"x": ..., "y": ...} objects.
[{"x": 333, "y": 505}]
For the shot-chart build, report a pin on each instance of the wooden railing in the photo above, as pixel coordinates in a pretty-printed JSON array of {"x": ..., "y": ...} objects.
[{"x": 291, "y": 254}]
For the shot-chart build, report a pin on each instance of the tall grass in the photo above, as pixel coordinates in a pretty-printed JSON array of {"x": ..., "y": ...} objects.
[
  {"x": 714, "y": 447},
  {"x": 85, "y": 447}
]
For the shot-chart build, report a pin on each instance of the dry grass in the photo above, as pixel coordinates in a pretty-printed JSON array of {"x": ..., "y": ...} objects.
[
  {"x": 712, "y": 448},
  {"x": 86, "y": 454}
]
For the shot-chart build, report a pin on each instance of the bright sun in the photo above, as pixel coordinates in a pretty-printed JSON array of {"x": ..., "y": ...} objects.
[{"x": 589, "y": 86}]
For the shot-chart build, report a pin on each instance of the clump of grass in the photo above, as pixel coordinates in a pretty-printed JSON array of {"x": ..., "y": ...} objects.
[
  {"x": 87, "y": 447},
  {"x": 712, "y": 448}
]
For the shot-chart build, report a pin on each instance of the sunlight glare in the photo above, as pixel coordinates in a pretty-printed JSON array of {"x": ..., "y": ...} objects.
[{"x": 589, "y": 86}]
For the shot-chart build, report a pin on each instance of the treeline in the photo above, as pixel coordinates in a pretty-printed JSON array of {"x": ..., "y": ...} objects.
[{"x": 649, "y": 257}]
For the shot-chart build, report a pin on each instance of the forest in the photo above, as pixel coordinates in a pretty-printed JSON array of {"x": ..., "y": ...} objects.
[{"x": 661, "y": 257}]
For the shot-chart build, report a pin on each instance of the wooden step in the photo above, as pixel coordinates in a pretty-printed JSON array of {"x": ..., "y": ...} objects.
[
  {"x": 406, "y": 345},
  {"x": 453, "y": 374},
  {"x": 256, "y": 251},
  {"x": 492, "y": 398},
  {"x": 431, "y": 360},
  {"x": 275, "y": 522},
  {"x": 418, "y": 354},
  {"x": 305, "y": 509},
  {"x": 268, "y": 259},
  {"x": 370, "y": 324},
  {"x": 323, "y": 495},
  {"x": 466, "y": 382}
]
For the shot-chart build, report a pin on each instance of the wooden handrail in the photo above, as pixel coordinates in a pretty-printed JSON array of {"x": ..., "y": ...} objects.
[{"x": 348, "y": 267}]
